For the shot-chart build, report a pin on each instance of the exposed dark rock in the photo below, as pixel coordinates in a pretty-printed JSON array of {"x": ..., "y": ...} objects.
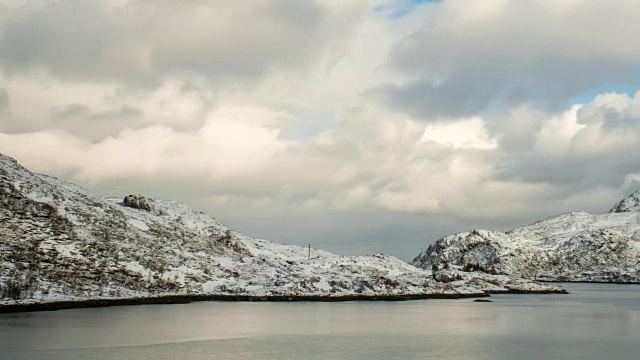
[
  {"x": 137, "y": 202},
  {"x": 482, "y": 300}
]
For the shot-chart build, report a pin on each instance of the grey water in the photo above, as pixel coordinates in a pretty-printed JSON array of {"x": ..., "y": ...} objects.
[{"x": 595, "y": 321}]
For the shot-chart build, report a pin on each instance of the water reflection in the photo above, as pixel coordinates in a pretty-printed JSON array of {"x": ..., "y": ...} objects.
[{"x": 594, "y": 322}]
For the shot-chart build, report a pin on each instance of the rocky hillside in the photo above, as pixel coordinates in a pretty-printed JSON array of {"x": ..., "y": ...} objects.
[
  {"x": 59, "y": 242},
  {"x": 570, "y": 247}
]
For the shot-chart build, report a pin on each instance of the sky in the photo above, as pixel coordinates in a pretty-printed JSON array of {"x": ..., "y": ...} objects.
[{"x": 360, "y": 127}]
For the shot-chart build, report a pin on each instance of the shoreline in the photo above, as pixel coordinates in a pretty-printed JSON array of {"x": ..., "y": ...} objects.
[
  {"x": 588, "y": 282},
  {"x": 186, "y": 299}
]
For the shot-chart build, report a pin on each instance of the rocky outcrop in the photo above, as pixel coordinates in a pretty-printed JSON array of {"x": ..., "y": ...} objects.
[
  {"x": 631, "y": 203},
  {"x": 569, "y": 247},
  {"x": 137, "y": 202}
]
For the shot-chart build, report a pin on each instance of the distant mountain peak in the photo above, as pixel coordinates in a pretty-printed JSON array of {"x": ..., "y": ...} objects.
[
  {"x": 575, "y": 246},
  {"x": 629, "y": 204}
]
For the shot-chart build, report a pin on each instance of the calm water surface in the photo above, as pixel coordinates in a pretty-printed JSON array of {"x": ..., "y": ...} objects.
[{"x": 594, "y": 322}]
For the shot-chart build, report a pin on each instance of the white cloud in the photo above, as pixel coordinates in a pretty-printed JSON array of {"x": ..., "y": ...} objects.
[
  {"x": 554, "y": 138},
  {"x": 329, "y": 110},
  {"x": 469, "y": 133}
]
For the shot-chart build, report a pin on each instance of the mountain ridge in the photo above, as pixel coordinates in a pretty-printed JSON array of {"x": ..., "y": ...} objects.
[
  {"x": 61, "y": 243},
  {"x": 575, "y": 246}
]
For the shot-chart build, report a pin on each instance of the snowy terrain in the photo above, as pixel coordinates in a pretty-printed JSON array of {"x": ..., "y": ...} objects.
[
  {"x": 576, "y": 246},
  {"x": 59, "y": 242}
]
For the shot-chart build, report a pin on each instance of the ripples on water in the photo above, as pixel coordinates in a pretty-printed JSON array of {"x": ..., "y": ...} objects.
[{"x": 596, "y": 321}]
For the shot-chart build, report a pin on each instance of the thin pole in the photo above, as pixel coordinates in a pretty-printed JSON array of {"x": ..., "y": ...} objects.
[{"x": 309, "y": 256}]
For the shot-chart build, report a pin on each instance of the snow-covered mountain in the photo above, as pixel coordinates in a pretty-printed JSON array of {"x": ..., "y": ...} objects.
[
  {"x": 576, "y": 246},
  {"x": 59, "y": 242}
]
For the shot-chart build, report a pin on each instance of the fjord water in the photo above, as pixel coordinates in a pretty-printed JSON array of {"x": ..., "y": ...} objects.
[{"x": 595, "y": 321}]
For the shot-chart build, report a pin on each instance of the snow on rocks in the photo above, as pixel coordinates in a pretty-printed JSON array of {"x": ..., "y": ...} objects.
[
  {"x": 630, "y": 203},
  {"x": 577, "y": 246},
  {"x": 139, "y": 224},
  {"x": 60, "y": 242}
]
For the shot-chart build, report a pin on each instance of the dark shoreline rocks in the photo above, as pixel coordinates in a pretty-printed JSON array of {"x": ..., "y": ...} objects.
[
  {"x": 186, "y": 299},
  {"x": 589, "y": 282}
]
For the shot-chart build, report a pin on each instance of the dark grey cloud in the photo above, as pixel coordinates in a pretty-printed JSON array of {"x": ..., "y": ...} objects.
[
  {"x": 422, "y": 99},
  {"x": 73, "y": 110},
  {"x": 517, "y": 130},
  {"x": 577, "y": 173},
  {"x": 147, "y": 39},
  {"x": 70, "y": 39},
  {"x": 124, "y": 111},
  {"x": 80, "y": 120},
  {"x": 533, "y": 52},
  {"x": 249, "y": 41},
  {"x": 5, "y": 100},
  {"x": 601, "y": 154},
  {"x": 82, "y": 111}
]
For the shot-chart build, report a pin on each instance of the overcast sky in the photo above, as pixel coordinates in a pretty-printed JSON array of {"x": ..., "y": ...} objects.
[{"x": 356, "y": 126}]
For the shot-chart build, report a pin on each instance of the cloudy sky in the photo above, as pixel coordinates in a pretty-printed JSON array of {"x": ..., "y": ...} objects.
[{"x": 356, "y": 126}]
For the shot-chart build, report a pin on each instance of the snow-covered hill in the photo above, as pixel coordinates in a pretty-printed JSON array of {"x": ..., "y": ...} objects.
[
  {"x": 571, "y": 247},
  {"x": 59, "y": 242}
]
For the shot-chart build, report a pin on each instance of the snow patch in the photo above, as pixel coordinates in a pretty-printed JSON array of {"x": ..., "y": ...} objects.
[{"x": 139, "y": 224}]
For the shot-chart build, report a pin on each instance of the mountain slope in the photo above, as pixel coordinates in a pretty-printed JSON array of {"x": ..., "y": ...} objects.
[
  {"x": 570, "y": 247},
  {"x": 59, "y": 242}
]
